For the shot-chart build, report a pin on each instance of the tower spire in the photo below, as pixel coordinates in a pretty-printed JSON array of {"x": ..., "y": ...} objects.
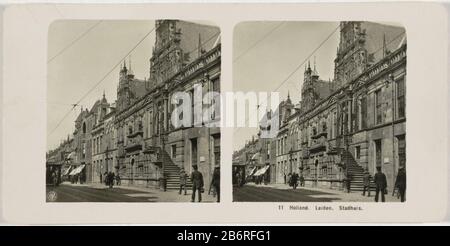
[
  {"x": 129, "y": 61},
  {"x": 199, "y": 45},
  {"x": 314, "y": 63}
]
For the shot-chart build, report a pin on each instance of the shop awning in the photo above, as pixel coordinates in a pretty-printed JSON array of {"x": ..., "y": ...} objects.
[
  {"x": 251, "y": 172},
  {"x": 261, "y": 171},
  {"x": 77, "y": 170}
]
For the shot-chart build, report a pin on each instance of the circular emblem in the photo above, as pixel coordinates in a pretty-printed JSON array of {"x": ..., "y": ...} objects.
[{"x": 52, "y": 196}]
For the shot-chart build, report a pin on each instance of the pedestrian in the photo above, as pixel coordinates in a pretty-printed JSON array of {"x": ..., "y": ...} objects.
[
  {"x": 111, "y": 179},
  {"x": 215, "y": 182},
  {"x": 183, "y": 178},
  {"x": 289, "y": 176},
  {"x": 400, "y": 182},
  {"x": 366, "y": 183},
  {"x": 294, "y": 180},
  {"x": 101, "y": 178},
  {"x": 381, "y": 184},
  {"x": 118, "y": 180},
  {"x": 197, "y": 183},
  {"x": 284, "y": 178},
  {"x": 105, "y": 178},
  {"x": 302, "y": 180},
  {"x": 348, "y": 181}
]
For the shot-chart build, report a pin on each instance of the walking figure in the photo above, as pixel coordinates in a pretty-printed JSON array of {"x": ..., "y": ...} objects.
[
  {"x": 238, "y": 179},
  {"x": 348, "y": 182},
  {"x": 302, "y": 181},
  {"x": 111, "y": 179},
  {"x": 197, "y": 183},
  {"x": 366, "y": 183},
  {"x": 381, "y": 184},
  {"x": 215, "y": 182},
  {"x": 118, "y": 181},
  {"x": 183, "y": 179},
  {"x": 294, "y": 180}
]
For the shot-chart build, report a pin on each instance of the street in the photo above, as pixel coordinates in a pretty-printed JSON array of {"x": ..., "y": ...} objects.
[
  {"x": 283, "y": 193},
  {"x": 100, "y": 193}
]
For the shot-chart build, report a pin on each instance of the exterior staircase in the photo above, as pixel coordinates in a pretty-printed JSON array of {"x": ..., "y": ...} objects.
[
  {"x": 172, "y": 173},
  {"x": 356, "y": 172}
]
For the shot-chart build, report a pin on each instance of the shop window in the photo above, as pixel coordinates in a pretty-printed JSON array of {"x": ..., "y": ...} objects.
[
  {"x": 401, "y": 150},
  {"x": 358, "y": 152},
  {"x": 174, "y": 151},
  {"x": 378, "y": 153},
  {"x": 401, "y": 97},
  {"x": 363, "y": 113}
]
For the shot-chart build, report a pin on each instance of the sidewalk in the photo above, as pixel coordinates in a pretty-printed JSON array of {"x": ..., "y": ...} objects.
[
  {"x": 163, "y": 196},
  {"x": 354, "y": 196}
]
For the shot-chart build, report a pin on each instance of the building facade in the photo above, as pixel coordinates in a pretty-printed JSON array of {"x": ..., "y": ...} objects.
[
  {"x": 135, "y": 136},
  {"x": 354, "y": 122}
]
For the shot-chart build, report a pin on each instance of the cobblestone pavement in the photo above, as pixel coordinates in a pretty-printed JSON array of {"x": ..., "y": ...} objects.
[{"x": 96, "y": 192}]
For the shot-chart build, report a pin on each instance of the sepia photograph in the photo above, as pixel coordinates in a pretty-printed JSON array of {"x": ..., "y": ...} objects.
[
  {"x": 340, "y": 123},
  {"x": 113, "y": 125}
]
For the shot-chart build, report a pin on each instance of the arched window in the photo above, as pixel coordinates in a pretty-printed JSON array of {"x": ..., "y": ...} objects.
[{"x": 84, "y": 127}]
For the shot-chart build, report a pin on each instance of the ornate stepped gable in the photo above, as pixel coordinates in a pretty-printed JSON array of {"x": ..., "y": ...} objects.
[{"x": 174, "y": 39}]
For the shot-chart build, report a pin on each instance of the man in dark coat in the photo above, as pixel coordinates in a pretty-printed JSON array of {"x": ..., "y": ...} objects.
[
  {"x": 112, "y": 177},
  {"x": 400, "y": 182},
  {"x": 215, "y": 182},
  {"x": 294, "y": 180},
  {"x": 197, "y": 183},
  {"x": 302, "y": 180},
  {"x": 366, "y": 183},
  {"x": 381, "y": 184}
]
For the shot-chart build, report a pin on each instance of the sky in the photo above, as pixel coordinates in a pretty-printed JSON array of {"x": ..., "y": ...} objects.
[
  {"x": 266, "y": 65},
  {"x": 85, "y": 61}
]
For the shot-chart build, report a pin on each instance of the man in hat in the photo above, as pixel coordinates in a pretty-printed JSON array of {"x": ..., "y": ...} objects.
[
  {"x": 366, "y": 182},
  {"x": 215, "y": 182},
  {"x": 381, "y": 184},
  {"x": 197, "y": 183},
  {"x": 400, "y": 182},
  {"x": 348, "y": 181}
]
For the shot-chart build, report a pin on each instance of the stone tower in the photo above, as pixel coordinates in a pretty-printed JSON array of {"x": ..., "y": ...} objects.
[
  {"x": 167, "y": 57},
  {"x": 351, "y": 58}
]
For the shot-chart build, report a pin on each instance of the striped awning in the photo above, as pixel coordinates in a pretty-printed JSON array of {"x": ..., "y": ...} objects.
[{"x": 261, "y": 171}]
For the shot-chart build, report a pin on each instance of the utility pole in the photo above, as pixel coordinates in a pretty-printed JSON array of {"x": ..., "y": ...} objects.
[{"x": 392, "y": 82}]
